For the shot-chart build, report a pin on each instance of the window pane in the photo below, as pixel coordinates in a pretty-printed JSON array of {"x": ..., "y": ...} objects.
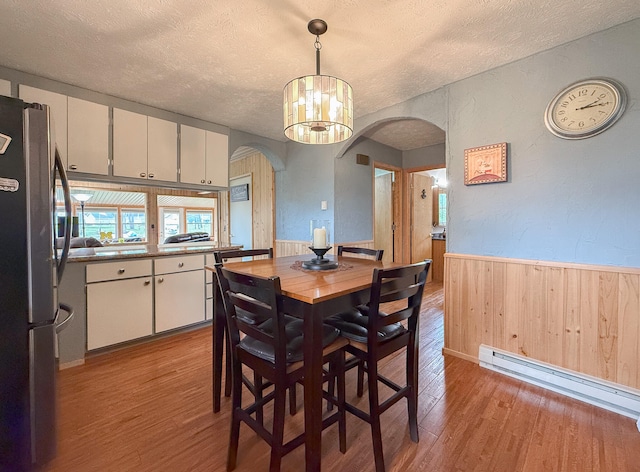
[
  {"x": 134, "y": 225},
  {"x": 171, "y": 223},
  {"x": 98, "y": 222},
  {"x": 199, "y": 221},
  {"x": 442, "y": 207}
]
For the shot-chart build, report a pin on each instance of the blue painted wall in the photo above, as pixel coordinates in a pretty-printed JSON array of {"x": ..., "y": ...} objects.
[
  {"x": 570, "y": 201},
  {"x": 354, "y": 190},
  {"x": 307, "y": 180}
]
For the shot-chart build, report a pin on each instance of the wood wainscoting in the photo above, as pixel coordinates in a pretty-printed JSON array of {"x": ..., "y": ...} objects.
[
  {"x": 580, "y": 317},
  {"x": 295, "y": 248}
]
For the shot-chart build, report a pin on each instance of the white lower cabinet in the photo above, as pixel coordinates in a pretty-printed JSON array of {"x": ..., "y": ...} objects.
[
  {"x": 126, "y": 299},
  {"x": 179, "y": 287},
  {"x": 118, "y": 311}
]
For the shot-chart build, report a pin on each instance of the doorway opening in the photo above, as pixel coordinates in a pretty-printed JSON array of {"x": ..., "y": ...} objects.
[
  {"x": 387, "y": 211},
  {"x": 427, "y": 196}
]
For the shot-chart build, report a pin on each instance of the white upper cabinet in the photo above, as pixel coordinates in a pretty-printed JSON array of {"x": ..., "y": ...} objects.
[
  {"x": 58, "y": 105},
  {"x": 203, "y": 157},
  {"x": 192, "y": 155},
  {"x": 129, "y": 144},
  {"x": 88, "y": 140},
  {"x": 144, "y": 147},
  {"x": 162, "y": 150},
  {"x": 217, "y": 159},
  {"x": 5, "y": 88}
]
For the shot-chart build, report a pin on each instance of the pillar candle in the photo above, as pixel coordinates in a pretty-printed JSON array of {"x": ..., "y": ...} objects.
[{"x": 319, "y": 237}]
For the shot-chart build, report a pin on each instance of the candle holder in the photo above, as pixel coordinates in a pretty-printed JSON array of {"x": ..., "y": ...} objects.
[{"x": 320, "y": 245}]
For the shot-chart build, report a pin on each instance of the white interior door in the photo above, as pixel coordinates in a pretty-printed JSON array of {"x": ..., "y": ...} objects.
[{"x": 241, "y": 216}]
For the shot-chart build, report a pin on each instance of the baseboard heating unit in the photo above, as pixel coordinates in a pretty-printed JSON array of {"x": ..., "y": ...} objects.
[{"x": 613, "y": 397}]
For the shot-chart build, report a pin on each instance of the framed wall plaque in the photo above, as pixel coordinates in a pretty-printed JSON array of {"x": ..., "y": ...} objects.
[
  {"x": 239, "y": 193},
  {"x": 485, "y": 164}
]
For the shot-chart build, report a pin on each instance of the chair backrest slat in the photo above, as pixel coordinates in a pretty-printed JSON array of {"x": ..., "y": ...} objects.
[
  {"x": 219, "y": 256},
  {"x": 375, "y": 253},
  {"x": 404, "y": 285},
  {"x": 259, "y": 296}
]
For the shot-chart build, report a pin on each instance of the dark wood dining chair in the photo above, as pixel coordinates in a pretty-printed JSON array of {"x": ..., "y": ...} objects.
[
  {"x": 352, "y": 362},
  {"x": 256, "y": 387},
  {"x": 375, "y": 253},
  {"x": 220, "y": 256},
  {"x": 273, "y": 349},
  {"x": 374, "y": 335}
]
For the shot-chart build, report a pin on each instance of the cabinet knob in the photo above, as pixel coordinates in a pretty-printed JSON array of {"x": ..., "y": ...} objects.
[
  {"x": 73, "y": 167},
  {"x": 120, "y": 271},
  {"x": 202, "y": 181},
  {"x": 142, "y": 174},
  {"x": 151, "y": 176},
  {"x": 208, "y": 181},
  {"x": 160, "y": 280},
  {"x": 180, "y": 264},
  {"x": 147, "y": 282}
]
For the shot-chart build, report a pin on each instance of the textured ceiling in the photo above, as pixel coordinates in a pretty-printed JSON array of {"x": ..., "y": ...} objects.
[{"x": 226, "y": 61}]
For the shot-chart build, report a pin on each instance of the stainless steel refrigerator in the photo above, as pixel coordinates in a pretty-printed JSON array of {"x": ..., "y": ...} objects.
[{"x": 30, "y": 271}]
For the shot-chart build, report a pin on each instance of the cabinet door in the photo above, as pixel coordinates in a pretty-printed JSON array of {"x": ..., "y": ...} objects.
[
  {"x": 58, "y": 104},
  {"x": 88, "y": 141},
  {"x": 192, "y": 155},
  {"x": 119, "y": 311},
  {"x": 217, "y": 159},
  {"x": 162, "y": 149},
  {"x": 129, "y": 144},
  {"x": 179, "y": 299}
]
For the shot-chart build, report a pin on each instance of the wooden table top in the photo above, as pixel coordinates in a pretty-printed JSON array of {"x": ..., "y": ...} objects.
[{"x": 313, "y": 286}]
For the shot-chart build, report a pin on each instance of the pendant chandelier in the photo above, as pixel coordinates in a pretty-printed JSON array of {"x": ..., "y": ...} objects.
[{"x": 318, "y": 109}]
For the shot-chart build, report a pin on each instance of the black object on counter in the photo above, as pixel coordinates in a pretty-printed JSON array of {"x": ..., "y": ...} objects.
[{"x": 187, "y": 238}]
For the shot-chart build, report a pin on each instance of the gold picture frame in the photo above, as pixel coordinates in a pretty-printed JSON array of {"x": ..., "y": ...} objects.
[{"x": 485, "y": 164}]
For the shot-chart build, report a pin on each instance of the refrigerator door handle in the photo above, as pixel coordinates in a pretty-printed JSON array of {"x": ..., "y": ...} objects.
[
  {"x": 67, "y": 209},
  {"x": 63, "y": 325}
]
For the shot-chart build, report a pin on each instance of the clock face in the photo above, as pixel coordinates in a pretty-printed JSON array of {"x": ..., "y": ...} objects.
[{"x": 585, "y": 108}]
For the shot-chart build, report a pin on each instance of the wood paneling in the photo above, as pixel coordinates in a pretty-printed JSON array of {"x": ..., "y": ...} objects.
[
  {"x": 263, "y": 196},
  {"x": 579, "y": 317}
]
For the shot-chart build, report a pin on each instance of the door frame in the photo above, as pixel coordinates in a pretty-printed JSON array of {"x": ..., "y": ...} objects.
[{"x": 398, "y": 206}]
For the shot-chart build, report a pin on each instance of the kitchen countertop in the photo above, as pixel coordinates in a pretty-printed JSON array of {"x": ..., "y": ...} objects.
[{"x": 108, "y": 253}]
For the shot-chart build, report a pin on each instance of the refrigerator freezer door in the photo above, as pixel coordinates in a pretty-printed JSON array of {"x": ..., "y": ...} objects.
[{"x": 42, "y": 370}]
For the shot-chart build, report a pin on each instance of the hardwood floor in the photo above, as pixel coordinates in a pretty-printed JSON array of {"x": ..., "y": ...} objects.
[{"x": 149, "y": 408}]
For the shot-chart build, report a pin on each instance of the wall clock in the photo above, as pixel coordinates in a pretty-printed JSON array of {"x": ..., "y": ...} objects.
[{"x": 585, "y": 108}]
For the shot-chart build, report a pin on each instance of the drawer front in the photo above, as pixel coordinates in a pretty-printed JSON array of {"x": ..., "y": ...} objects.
[
  {"x": 118, "y": 270},
  {"x": 168, "y": 265}
]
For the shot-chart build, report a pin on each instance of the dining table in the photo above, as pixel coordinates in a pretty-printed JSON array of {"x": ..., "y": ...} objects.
[{"x": 311, "y": 295}]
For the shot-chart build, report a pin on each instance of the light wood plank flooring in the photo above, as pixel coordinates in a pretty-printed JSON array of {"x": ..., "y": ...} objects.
[{"x": 148, "y": 408}]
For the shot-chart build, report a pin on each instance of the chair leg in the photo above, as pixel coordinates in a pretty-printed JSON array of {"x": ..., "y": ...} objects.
[
  {"x": 360, "y": 388},
  {"x": 342, "y": 419},
  {"x": 277, "y": 436},
  {"x": 412, "y": 397},
  {"x": 331, "y": 385},
  {"x": 234, "y": 435},
  {"x": 218, "y": 341},
  {"x": 374, "y": 413},
  {"x": 227, "y": 381},
  {"x": 257, "y": 386}
]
